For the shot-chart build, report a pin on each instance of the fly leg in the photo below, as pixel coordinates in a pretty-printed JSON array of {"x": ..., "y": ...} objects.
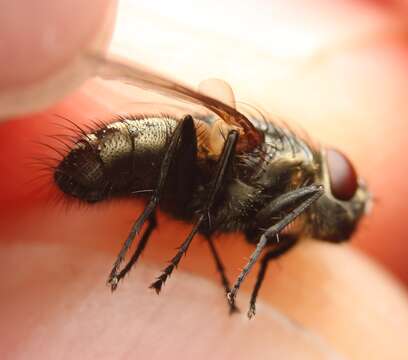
[
  {"x": 285, "y": 244},
  {"x": 221, "y": 270},
  {"x": 299, "y": 200},
  {"x": 223, "y": 165},
  {"x": 182, "y": 141},
  {"x": 152, "y": 224}
]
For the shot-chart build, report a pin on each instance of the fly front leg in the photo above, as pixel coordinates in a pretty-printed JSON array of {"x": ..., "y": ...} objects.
[
  {"x": 182, "y": 145},
  {"x": 221, "y": 174},
  {"x": 285, "y": 244},
  {"x": 298, "y": 201}
]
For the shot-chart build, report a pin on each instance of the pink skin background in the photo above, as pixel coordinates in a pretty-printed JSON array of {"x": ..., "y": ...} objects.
[{"x": 55, "y": 258}]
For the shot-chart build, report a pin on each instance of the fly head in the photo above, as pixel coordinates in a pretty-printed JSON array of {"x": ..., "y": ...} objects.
[{"x": 335, "y": 215}]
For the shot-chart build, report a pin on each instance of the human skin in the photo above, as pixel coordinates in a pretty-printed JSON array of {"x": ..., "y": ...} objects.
[
  {"x": 318, "y": 300},
  {"x": 43, "y": 47}
]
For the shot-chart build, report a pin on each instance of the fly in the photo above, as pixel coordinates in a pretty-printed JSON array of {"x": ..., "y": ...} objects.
[{"x": 221, "y": 173}]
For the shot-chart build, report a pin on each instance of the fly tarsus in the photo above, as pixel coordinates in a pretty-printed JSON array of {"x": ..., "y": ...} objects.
[
  {"x": 158, "y": 284},
  {"x": 233, "y": 309},
  {"x": 114, "y": 278},
  {"x": 113, "y": 281},
  {"x": 252, "y": 311}
]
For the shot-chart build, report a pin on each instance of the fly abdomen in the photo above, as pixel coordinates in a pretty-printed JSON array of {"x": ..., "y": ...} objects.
[{"x": 116, "y": 159}]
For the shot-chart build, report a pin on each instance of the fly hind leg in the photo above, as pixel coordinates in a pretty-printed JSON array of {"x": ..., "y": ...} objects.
[
  {"x": 181, "y": 151},
  {"x": 152, "y": 224}
]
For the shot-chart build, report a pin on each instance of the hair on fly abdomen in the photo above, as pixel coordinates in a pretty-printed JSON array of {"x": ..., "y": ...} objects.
[{"x": 219, "y": 172}]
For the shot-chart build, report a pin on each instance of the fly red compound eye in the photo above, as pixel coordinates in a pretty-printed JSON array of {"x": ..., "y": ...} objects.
[{"x": 343, "y": 177}]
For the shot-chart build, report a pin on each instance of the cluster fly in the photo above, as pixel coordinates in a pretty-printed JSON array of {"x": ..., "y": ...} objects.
[{"x": 221, "y": 173}]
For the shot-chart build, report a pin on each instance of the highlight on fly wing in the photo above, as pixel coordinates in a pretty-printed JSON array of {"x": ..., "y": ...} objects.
[{"x": 137, "y": 75}]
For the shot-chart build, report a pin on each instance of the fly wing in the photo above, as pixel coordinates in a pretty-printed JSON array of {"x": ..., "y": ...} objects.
[{"x": 137, "y": 75}]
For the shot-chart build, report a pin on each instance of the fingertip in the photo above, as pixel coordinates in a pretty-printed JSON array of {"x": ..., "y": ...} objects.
[{"x": 44, "y": 42}]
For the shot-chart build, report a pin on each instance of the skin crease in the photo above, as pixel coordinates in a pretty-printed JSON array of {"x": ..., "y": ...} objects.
[{"x": 317, "y": 300}]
